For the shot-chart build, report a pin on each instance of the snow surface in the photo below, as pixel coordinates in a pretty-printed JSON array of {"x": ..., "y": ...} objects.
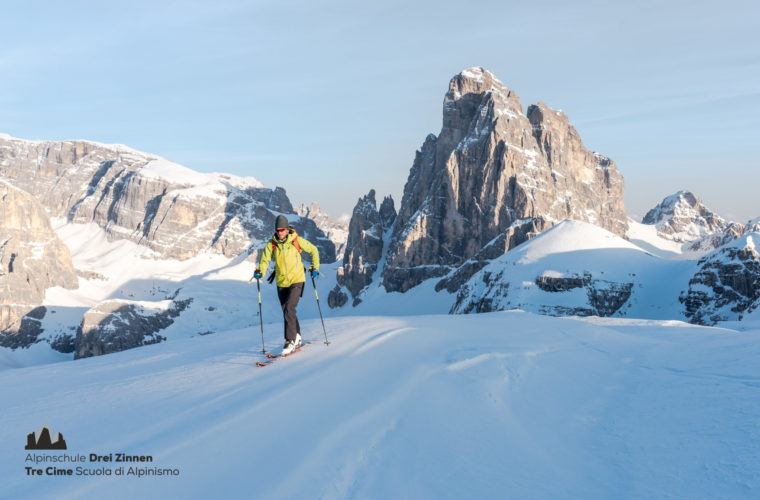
[
  {"x": 645, "y": 236},
  {"x": 569, "y": 236},
  {"x": 578, "y": 249},
  {"x": 499, "y": 405}
]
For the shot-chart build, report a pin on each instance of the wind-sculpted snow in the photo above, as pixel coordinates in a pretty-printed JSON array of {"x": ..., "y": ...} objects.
[{"x": 500, "y": 405}]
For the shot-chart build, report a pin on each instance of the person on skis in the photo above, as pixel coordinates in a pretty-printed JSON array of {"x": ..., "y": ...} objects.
[{"x": 286, "y": 247}]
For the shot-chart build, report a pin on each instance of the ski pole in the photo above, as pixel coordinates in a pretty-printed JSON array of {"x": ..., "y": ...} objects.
[
  {"x": 320, "y": 310},
  {"x": 261, "y": 317}
]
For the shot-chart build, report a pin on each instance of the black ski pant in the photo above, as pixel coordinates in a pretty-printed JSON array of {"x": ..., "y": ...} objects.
[{"x": 289, "y": 297}]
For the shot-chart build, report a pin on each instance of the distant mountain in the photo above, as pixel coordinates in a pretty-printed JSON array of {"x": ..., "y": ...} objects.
[
  {"x": 176, "y": 212},
  {"x": 336, "y": 230},
  {"x": 684, "y": 218}
]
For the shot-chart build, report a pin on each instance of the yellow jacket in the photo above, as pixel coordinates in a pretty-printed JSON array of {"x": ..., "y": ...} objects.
[{"x": 288, "y": 265}]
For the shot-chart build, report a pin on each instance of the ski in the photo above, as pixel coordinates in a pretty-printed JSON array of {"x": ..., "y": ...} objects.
[{"x": 271, "y": 358}]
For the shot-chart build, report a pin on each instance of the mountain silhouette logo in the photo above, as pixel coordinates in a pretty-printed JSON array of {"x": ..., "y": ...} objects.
[{"x": 44, "y": 442}]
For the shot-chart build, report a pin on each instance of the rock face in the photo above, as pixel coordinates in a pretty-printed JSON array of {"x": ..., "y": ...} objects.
[
  {"x": 602, "y": 297},
  {"x": 364, "y": 248},
  {"x": 727, "y": 283},
  {"x": 173, "y": 210},
  {"x": 32, "y": 259},
  {"x": 490, "y": 180},
  {"x": 335, "y": 230},
  {"x": 117, "y": 325}
]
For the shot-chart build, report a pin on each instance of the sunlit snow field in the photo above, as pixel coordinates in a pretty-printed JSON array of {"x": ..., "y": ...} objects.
[{"x": 498, "y": 405}]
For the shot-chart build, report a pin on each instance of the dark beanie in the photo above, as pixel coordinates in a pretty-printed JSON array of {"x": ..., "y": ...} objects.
[{"x": 281, "y": 222}]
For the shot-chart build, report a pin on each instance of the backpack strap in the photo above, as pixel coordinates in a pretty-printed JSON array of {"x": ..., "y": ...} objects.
[{"x": 295, "y": 241}]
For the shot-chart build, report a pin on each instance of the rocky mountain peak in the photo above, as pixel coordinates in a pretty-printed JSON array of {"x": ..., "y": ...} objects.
[
  {"x": 682, "y": 217},
  {"x": 387, "y": 212},
  {"x": 475, "y": 80},
  {"x": 364, "y": 249},
  {"x": 492, "y": 178}
]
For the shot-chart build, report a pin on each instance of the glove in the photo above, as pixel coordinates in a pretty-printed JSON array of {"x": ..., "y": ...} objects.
[
  {"x": 257, "y": 274},
  {"x": 314, "y": 272}
]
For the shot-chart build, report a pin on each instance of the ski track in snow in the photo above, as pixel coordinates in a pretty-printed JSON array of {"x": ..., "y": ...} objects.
[{"x": 493, "y": 405}]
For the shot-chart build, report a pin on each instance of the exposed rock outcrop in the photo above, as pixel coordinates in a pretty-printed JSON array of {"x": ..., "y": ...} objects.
[
  {"x": 364, "y": 248},
  {"x": 173, "y": 210},
  {"x": 727, "y": 283},
  {"x": 602, "y": 297},
  {"x": 32, "y": 259},
  {"x": 117, "y": 325},
  {"x": 491, "y": 179}
]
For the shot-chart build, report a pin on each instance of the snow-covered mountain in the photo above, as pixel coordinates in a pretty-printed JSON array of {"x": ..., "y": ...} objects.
[
  {"x": 161, "y": 252},
  {"x": 132, "y": 231},
  {"x": 176, "y": 212},
  {"x": 685, "y": 219},
  {"x": 576, "y": 268}
]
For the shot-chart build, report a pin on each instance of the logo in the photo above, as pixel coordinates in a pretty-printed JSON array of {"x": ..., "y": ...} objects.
[{"x": 43, "y": 442}]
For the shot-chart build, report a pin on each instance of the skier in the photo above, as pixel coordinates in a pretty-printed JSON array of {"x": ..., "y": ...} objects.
[{"x": 286, "y": 247}]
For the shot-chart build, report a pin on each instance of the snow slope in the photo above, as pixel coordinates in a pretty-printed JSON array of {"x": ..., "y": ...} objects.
[
  {"x": 499, "y": 405},
  {"x": 574, "y": 250},
  {"x": 645, "y": 236}
]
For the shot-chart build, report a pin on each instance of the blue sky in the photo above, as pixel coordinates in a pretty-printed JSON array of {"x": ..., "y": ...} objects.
[{"x": 330, "y": 99}]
